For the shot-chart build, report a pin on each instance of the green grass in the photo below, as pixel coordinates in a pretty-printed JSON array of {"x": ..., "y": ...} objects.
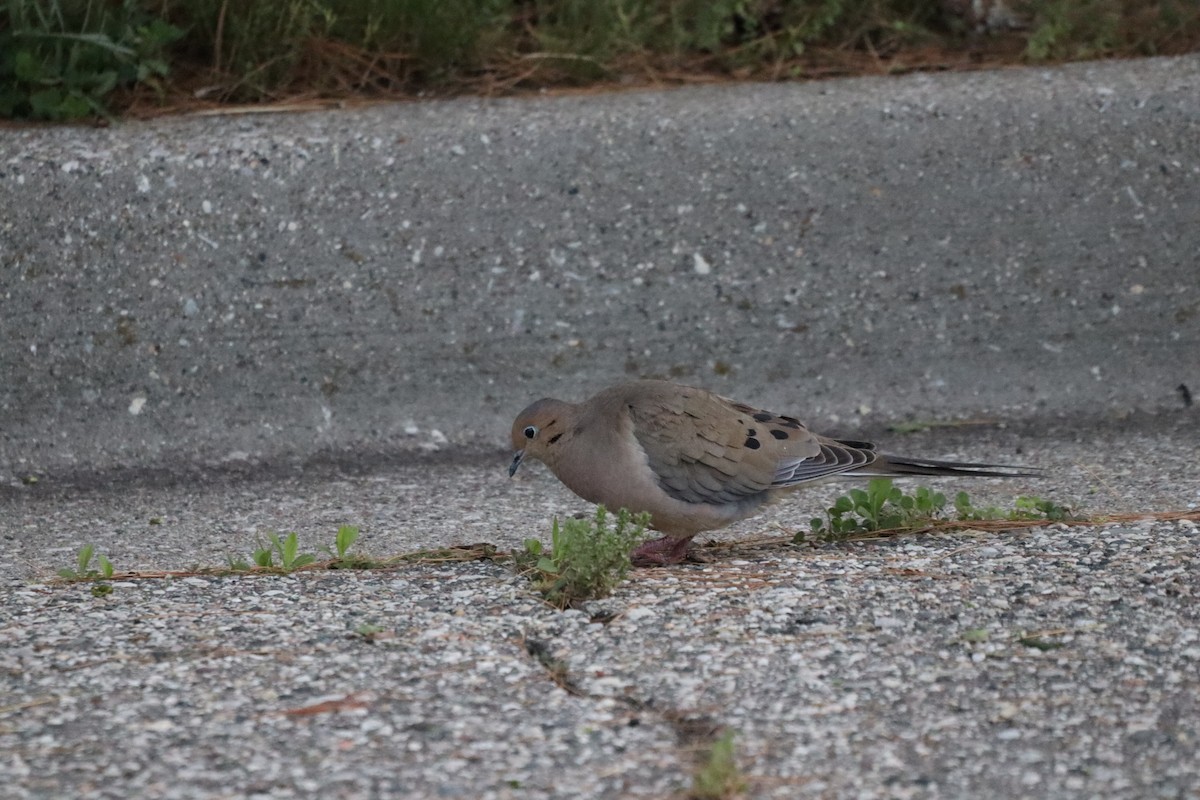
[
  {"x": 587, "y": 558},
  {"x": 65, "y": 59}
]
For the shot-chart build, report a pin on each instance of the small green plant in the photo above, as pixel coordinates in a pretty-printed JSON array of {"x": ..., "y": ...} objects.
[
  {"x": 965, "y": 510},
  {"x": 975, "y": 635},
  {"x": 372, "y": 633},
  {"x": 282, "y": 554},
  {"x": 882, "y": 506},
  {"x": 1039, "y": 642},
  {"x": 587, "y": 559},
  {"x": 237, "y": 564},
  {"x": 1024, "y": 508},
  {"x": 1037, "y": 508},
  {"x": 84, "y": 571},
  {"x": 718, "y": 777},
  {"x": 1074, "y": 29},
  {"x": 263, "y": 556},
  {"x": 288, "y": 550},
  {"x": 346, "y": 536}
]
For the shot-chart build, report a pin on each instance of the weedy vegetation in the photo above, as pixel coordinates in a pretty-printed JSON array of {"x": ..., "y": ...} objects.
[
  {"x": 587, "y": 558},
  {"x": 340, "y": 556},
  {"x": 884, "y": 508},
  {"x": 718, "y": 776},
  {"x": 83, "y": 570},
  {"x": 288, "y": 551},
  {"x": 66, "y": 59},
  {"x": 279, "y": 555}
]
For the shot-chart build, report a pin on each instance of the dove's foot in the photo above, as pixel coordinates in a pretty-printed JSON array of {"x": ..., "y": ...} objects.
[{"x": 661, "y": 552}]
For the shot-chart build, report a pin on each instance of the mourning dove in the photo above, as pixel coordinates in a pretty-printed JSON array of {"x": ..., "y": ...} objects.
[{"x": 694, "y": 460}]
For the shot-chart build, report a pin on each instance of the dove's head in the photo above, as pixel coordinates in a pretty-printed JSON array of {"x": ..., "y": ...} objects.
[{"x": 537, "y": 429}]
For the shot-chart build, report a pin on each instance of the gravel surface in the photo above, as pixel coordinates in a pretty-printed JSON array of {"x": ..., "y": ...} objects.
[
  {"x": 1060, "y": 661},
  {"x": 216, "y": 328}
]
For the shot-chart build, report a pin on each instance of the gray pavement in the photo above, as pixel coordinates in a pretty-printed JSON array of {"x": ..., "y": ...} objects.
[
  {"x": 214, "y": 328},
  {"x": 258, "y": 289}
]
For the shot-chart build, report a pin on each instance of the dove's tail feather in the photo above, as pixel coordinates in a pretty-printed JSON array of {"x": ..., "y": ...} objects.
[{"x": 889, "y": 466}]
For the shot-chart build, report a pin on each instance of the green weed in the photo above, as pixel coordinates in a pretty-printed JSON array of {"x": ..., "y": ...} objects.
[
  {"x": 346, "y": 536},
  {"x": 1024, "y": 508},
  {"x": 1039, "y": 642},
  {"x": 238, "y": 564},
  {"x": 975, "y": 635},
  {"x": 288, "y": 551},
  {"x": 882, "y": 506},
  {"x": 371, "y": 633},
  {"x": 587, "y": 558},
  {"x": 84, "y": 571},
  {"x": 718, "y": 777}
]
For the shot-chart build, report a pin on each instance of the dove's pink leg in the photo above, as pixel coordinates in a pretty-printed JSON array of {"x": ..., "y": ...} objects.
[{"x": 659, "y": 552}]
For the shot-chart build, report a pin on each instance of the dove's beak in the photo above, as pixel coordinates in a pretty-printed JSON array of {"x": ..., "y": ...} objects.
[{"x": 516, "y": 462}]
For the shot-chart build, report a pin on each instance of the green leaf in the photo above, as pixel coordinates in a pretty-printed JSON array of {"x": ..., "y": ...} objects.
[
  {"x": 98, "y": 40},
  {"x": 74, "y": 106},
  {"x": 101, "y": 83},
  {"x": 84, "y": 558},
  {"x": 26, "y": 67},
  {"x": 302, "y": 560},
  {"x": 347, "y": 535},
  {"x": 263, "y": 557},
  {"x": 290, "y": 545},
  {"x": 158, "y": 33},
  {"x": 46, "y": 103}
]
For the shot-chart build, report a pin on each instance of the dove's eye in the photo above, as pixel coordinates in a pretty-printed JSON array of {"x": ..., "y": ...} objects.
[{"x": 530, "y": 431}]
